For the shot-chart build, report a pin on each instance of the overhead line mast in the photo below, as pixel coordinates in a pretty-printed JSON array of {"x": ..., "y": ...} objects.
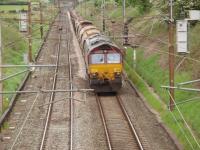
[
  {"x": 41, "y": 20},
  {"x": 29, "y": 33},
  {"x": 171, "y": 54},
  {"x": 1, "y": 83}
]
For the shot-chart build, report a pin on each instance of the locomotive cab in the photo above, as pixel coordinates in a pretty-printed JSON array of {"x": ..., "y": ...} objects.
[{"x": 105, "y": 68}]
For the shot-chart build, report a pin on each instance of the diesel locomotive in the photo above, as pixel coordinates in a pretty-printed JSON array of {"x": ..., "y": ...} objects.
[{"x": 104, "y": 59}]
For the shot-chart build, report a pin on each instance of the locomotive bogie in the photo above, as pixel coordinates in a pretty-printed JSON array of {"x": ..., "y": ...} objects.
[{"x": 102, "y": 86}]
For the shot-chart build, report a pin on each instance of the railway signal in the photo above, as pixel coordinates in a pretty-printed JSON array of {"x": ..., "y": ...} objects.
[
  {"x": 182, "y": 36},
  {"x": 23, "y": 27}
]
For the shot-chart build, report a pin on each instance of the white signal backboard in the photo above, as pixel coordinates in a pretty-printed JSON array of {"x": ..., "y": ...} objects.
[
  {"x": 23, "y": 25},
  {"x": 182, "y": 36}
]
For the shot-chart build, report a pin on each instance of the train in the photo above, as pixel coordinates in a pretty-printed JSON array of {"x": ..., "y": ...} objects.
[{"x": 103, "y": 58}]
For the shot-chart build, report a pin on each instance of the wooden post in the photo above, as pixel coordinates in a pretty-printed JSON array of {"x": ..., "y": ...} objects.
[
  {"x": 41, "y": 21},
  {"x": 171, "y": 55},
  {"x": 29, "y": 33},
  {"x": 124, "y": 10},
  {"x": 1, "y": 83}
]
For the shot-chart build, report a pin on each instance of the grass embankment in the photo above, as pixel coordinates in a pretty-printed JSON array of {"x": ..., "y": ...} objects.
[
  {"x": 152, "y": 67},
  {"x": 15, "y": 44}
]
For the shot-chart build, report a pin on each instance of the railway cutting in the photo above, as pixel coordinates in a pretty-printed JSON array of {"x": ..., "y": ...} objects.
[{"x": 64, "y": 109}]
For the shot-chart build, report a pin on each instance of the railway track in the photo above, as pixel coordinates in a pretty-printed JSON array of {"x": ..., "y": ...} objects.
[
  {"x": 43, "y": 117},
  {"x": 26, "y": 120},
  {"x": 50, "y": 106},
  {"x": 70, "y": 94},
  {"x": 52, "y": 126},
  {"x": 65, "y": 31},
  {"x": 119, "y": 130}
]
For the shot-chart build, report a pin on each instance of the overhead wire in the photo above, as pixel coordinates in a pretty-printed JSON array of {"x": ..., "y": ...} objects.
[
  {"x": 182, "y": 130},
  {"x": 184, "y": 120},
  {"x": 19, "y": 40},
  {"x": 11, "y": 44},
  {"x": 166, "y": 43},
  {"x": 176, "y": 55}
]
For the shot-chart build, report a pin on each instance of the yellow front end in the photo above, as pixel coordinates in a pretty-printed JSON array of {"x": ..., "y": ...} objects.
[{"x": 105, "y": 71}]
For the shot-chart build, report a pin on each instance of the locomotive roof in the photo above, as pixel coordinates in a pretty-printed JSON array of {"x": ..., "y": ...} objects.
[
  {"x": 99, "y": 40},
  {"x": 81, "y": 22}
]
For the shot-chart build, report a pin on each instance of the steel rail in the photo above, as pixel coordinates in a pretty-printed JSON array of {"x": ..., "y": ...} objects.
[
  {"x": 71, "y": 93},
  {"x": 130, "y": 123},
  {"x": 47, "y": 91},
  {"x": 104, "y": 122},
  {"x": 131, "y": 126},
  {"x": 12, "y": 102},
  {"x": 24, "y": 122},
  {"x": 51, "y": 97}
]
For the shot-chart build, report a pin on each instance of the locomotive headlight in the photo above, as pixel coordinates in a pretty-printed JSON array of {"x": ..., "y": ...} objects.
[
  {"x": 117, "y": 74},
  {"x": 94, "y": 75}
]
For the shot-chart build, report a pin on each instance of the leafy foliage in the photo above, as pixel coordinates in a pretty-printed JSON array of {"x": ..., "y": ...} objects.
[
  {"x": 144, "y": 5},
  {"x": 181, "y": 7}
]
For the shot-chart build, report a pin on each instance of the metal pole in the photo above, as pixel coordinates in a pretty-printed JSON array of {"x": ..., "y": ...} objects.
[
  {"x": 1, "y": 84},
  {"x": 113, "y": 29},
  {"x": 125, "y": 26},
  {"x": 81, "y": 3},
  {"x": 41, "y": 21},
  {"x": 171, "y": 54},
  {"x": 30, "y": 33},
  {"x": 124, "y": 10},
  {"x": 181, "y": 88},
  {"x": 59, "y": 6},
  {"x": 103, "y": 15},
  {"x": 85, "y": 8},
  {"x": 14, "y": 66},
  {"x": 189, "y": 82},
  {"x": 134, "y": 58}
]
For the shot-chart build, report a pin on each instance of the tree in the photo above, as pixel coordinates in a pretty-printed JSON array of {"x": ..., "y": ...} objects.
[{"x": 144, "y": 5}]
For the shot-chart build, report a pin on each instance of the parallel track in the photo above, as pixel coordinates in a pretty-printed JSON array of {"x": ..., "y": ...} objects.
[
  {"x": 120, "y": 131},
  {"x": 27, "y": 117},
  {"x": 71, "y": 94},
  {"x": 44, "y": 135}
]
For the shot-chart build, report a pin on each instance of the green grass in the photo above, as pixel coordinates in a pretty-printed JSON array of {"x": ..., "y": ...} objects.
[
  {"x": 151, "y": 72},
  {"x": 13, "y": 53},
  {"x": 7, "y": 8}
]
